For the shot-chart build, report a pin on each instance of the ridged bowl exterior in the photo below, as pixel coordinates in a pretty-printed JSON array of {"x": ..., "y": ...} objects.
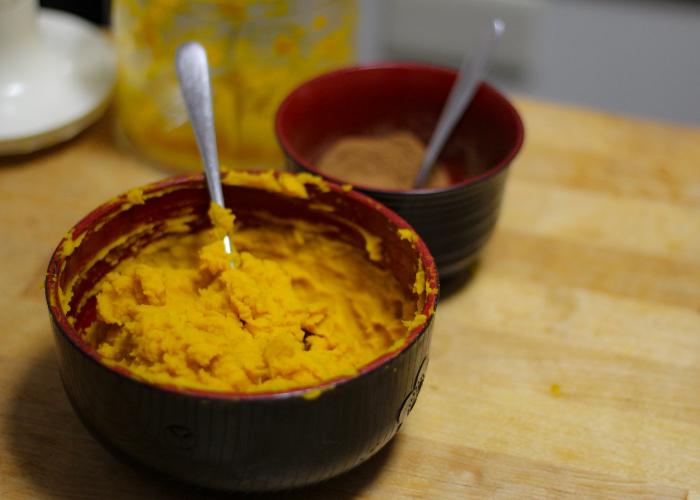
[
  {"x": 245, "y": 445},
  {"x": 455, "y": 221},
  {"x": 243, "y": 442}
]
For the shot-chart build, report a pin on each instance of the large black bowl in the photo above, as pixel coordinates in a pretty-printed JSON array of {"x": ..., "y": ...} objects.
[{"x": 233, "y": 441}]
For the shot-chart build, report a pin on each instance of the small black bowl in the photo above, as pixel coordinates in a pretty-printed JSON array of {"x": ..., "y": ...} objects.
[
  {"x": 455, "y": 221},
  {"x": 234, "y": 441}
]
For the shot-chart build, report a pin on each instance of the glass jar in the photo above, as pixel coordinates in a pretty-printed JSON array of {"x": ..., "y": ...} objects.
[{"x": 258, "y": 52}]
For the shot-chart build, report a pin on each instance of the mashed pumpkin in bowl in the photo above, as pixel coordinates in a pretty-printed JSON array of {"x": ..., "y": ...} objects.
[{"x": 298, "y": 307}]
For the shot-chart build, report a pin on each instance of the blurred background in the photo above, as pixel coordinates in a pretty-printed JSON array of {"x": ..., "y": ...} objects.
[{"x": 638, "y": 57}]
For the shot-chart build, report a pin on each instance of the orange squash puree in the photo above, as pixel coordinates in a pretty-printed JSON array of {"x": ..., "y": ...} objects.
[
  {"x": 298, "y": 308},
  {"x": 259, "y": 51}
]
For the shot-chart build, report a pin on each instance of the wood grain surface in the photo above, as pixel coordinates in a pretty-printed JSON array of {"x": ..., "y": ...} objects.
[{"x": 568, "y": 366}]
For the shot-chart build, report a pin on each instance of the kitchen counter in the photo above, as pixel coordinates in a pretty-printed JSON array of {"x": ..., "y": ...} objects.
[{"x": 569, "y": 364}]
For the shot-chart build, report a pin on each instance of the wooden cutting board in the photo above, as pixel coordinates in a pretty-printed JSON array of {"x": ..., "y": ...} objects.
[{"x": 568, "y": 366}]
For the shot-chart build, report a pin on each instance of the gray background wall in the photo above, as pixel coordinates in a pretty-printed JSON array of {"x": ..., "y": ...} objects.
[{"x": 638, "y": 57}]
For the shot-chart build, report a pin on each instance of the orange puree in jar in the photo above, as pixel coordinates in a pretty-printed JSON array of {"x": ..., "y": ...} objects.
[
  {"x": 297, "y": 309},
  {"x": 258, "y": 52}
]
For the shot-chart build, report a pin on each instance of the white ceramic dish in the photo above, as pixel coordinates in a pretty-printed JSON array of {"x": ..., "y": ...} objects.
[{"x": 57, "y": 73}]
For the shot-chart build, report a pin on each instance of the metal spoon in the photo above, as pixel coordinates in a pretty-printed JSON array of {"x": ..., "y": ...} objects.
[
  {"x": 193, "y": 74},
  {"x": 460, "y": 96}
]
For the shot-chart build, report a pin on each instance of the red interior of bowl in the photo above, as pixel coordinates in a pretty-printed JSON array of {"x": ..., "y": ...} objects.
[
  {"x": 376, "y": 99},
  {"x": 187, "y": 196}
]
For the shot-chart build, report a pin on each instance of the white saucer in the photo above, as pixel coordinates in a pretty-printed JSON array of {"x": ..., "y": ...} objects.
[{"x": 57, "y": 73}]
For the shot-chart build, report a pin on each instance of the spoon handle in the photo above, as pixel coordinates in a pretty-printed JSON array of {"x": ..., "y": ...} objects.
[
  {"x": 461, "y": 94},
  {"x": 193, "y": 73}
]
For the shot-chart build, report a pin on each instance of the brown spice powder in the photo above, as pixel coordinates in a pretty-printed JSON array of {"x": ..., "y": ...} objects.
[{"x": 388, "y": 161}]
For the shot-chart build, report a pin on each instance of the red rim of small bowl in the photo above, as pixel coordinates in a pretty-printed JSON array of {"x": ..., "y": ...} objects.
[
  {"x": 287, "y": 147},
  {"x": 55, "y": 310}
]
